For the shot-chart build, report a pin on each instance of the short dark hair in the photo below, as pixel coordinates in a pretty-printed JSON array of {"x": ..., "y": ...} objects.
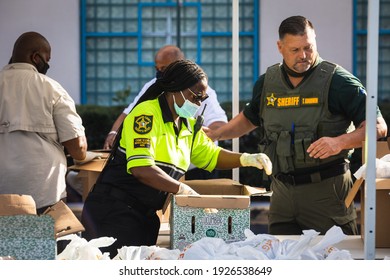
[{"x": 295, "y": 25}]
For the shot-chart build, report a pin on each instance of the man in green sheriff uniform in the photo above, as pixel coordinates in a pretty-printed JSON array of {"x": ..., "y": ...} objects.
[{"x": 305, "y": 107}]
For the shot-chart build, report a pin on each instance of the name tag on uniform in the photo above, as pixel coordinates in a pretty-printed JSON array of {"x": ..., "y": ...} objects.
[
  {"x": 290, "y": 101},
  {"x": 142, "y": 143}
]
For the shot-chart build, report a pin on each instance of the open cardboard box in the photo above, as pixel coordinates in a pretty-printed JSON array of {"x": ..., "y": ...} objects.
[
  {"x": 190, "y": 222},
  {"x": 64, "y": 221},
  {"x": 89, "y": 172},
  {"x": 382, "y": 222}
]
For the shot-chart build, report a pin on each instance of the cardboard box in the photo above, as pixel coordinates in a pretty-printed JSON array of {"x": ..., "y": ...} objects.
[
  {"x": 382, "y": 221},
  {"x": 17, "y": 204},
  {"x": 26, "y": 236},
  {"x": 89, "y": 172},
  {"x": 190, "y": 222}
]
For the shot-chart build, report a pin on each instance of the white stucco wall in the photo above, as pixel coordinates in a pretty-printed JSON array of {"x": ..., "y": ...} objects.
[
  {"x": 58, "y": 21},
  {"x": 332, "y": 20}
]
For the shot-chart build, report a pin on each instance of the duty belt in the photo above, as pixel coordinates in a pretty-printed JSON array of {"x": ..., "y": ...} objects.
[
  {"x": 314, "y": 177},
  {"x": 121, "y": 195}
]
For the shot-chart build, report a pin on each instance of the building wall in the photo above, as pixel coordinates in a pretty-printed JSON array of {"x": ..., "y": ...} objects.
[
  {"x": 332, "y": 21},
  {"x": 58, "y": 21}
]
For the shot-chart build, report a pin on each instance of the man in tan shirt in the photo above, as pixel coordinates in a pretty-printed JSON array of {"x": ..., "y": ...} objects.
[{"x": 38, "y": 119}]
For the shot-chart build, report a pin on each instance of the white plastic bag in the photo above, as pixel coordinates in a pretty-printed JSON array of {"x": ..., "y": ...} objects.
[
  {"x": 268, "y": 247},
  {"x": 294, "y": 249},
  {"x": 382, "y": 168},
  {"x": 206, "y": 248},
  {"x": 325, "y": 250},
  {"x": 146, "y": 253},
  {"x": 81, "y": 249}
]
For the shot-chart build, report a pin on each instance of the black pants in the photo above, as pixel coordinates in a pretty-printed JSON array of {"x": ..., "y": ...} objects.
[{"x": 107, "y": 217}]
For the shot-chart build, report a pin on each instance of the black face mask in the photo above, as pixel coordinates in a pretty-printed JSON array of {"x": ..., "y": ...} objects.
[
  {"x": 159, "y": 74},
  {"x": 43, "y": 68},
  {"x": 292, "y": 73}
]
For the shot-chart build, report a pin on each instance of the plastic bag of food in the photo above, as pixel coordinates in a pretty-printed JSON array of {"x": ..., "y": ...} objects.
[
  {"x": 146, "y": 253},
  {"x": 81, "y": 249},
  {"x": 382, "y": 168}
]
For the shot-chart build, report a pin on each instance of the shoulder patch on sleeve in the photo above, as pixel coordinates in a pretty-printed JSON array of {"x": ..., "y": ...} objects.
[
  {"x": 143, "y": 124},
  {"x": 141, "y": 143}
]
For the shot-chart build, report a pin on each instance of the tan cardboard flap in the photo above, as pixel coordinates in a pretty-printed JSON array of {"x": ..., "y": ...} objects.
[
  {"x": 219, "y": 193},
  {"x": 94, "y": 165},
  {"x": 15, "y": 204},
  {"x": 258, "y": 191},
  {"x": 65, "y": 220},
  {"x": 352, "y": 193},
  {"x": 224, "y": 187},
  {"x": 213, "y": 201},
  {"x": 383, "y": 184},
  {"x": 216, "y": 186}
]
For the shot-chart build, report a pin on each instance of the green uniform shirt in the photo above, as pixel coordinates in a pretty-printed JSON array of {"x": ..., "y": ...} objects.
[
  {"x": 347, "y": 96},
  {"x": 150, "y": 138}
]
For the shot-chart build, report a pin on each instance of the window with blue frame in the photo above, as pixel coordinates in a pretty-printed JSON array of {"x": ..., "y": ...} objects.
[
  {"x": 360, "y": 46},
  {"x": 119, "y": 39}
]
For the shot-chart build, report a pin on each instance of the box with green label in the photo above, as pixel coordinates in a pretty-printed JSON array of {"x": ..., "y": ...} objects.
[{"x": 222, "y": 210}]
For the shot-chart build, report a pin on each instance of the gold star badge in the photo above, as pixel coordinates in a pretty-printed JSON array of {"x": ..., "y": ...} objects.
[
  {"x": 143, "y": 124},
  {"x": 271, "y": 100}
]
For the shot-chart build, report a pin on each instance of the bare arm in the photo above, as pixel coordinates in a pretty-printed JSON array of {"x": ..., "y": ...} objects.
[
  {"x": 156, "y": 178},
  {"x": 216, "y": 125},
  {"x": 381, "y": 128},
  {"x": 236, "y": 127},
  {"x": 76, "y": 147},
  {"x": 329, "y": 146},
  {"x": 111, "y": 136},
  {"x": 228, "y": 160}
]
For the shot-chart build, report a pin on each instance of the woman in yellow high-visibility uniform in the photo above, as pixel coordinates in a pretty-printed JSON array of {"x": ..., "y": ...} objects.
[{"x": 154, "y": 149}]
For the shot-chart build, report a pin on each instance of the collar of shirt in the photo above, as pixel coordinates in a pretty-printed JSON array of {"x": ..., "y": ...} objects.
[
  {"x": 20, "y": 65},
  {"x": 318, "y": 61}
]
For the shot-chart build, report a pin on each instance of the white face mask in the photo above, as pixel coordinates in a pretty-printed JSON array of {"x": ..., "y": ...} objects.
[{"x": 187, "y": 110}]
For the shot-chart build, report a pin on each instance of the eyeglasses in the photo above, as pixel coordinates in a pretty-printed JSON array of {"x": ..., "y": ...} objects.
[{"x": 199, "y": 96}]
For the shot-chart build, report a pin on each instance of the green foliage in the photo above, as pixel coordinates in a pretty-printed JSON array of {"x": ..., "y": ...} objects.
[
  {"x": 98, "y": 121},
  {"x": 122, "y": 96}
]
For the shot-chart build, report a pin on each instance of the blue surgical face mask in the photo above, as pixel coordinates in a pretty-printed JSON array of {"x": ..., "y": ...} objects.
[{"x": 187, "y": 110}]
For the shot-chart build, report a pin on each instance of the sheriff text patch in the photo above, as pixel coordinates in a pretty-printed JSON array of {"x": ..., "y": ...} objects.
[
  {"x": 290, "y": 101},
  {"x": 142, "y": 143}
]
